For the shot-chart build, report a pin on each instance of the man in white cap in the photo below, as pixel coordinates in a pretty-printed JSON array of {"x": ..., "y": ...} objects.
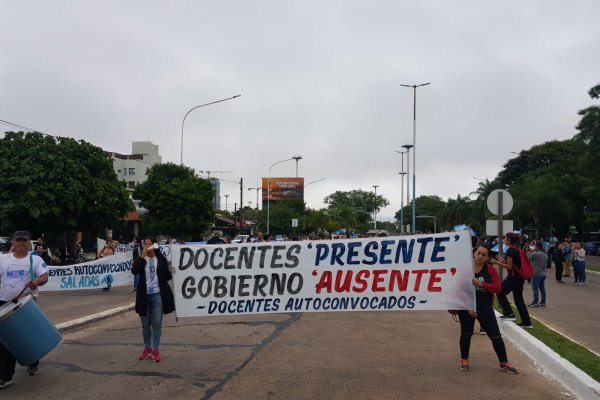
[{"x": 19, "y": 273}]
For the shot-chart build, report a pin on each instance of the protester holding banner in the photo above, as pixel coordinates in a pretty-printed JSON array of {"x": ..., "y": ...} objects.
[
  {"x": 513, "y": 283},
  {"x": 486, "y": 282},
  {"x": 153, "y": 297},
  {"x": 20, "y": 273},
  {"x": 136, "y": 248}
]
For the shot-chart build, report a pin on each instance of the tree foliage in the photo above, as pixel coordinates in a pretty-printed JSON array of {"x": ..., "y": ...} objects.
[
  {"x": 361, "y": 202},
  {"x": 52, "y": 184},
  {"x": 179, "y": 203}
]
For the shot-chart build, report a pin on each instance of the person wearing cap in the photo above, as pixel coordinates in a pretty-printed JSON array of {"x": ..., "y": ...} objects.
[{"x": 20, "y": 273}]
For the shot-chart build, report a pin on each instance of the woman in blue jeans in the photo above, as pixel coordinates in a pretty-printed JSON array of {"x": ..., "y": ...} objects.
[
  {"x": 154, "y": 296},
  {"x": 539, "y": 260},
  {"x": 579, "y": 263}
]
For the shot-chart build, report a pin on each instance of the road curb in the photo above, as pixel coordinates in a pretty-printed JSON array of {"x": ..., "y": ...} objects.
[
  {"x": 94, "y": 317},
  {"x": 560, "y": 369}
]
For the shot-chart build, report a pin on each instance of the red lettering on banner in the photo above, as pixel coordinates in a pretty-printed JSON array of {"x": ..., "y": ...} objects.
[
  {"x": 324, "y": 282},
  {"x": 433, "y": 279},
  {"x": 361, "y": 279},
  {"x": 379, "y": 280},
  {"x": 401, "y": 278}
]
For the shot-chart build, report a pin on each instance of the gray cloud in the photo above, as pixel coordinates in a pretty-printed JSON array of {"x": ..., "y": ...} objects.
[{"x": 320, "y": 79}]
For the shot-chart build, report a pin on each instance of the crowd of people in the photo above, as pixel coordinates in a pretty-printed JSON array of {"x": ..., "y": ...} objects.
[{"x": 154, "y": 296}]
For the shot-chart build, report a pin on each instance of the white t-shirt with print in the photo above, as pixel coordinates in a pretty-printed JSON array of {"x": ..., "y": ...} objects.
[
  {"x": 151, "y": 277},
  {"x": 14, "y": 274}
]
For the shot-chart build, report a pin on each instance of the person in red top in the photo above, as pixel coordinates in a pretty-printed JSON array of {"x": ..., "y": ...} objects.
[{"x": 486, "y": 283}]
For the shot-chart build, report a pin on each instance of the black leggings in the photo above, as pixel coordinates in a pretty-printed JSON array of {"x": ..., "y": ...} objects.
[{"x": 488, "y": 322}]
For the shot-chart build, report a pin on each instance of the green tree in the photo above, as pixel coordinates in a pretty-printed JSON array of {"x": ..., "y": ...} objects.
[
  {"x": 362, "y": 202},
  {"x": 281, "y": 214},
  {"x": 426, "y": 206},
  {"x": 179, "y": 203},
  {"x": 539, "y": 200},
  {"x": 589, "y": 136},
  {"x": 52, "y": 184}
]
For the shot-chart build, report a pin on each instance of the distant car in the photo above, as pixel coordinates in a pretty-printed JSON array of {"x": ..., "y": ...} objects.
[
  {"x": 240, "y": 239},
  {"x": 279, "y": 238},
  {"x": 5, "y": 243},
  {"x": 590, "y": 248}
]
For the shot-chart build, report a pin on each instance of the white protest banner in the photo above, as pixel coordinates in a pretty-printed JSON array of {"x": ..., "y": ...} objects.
[
  {"x": 91, "y": 275},
  {"x": 421, "y": 272}
]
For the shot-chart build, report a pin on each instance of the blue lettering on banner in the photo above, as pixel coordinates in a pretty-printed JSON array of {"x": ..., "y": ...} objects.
[{"x": 384, "y": 252}]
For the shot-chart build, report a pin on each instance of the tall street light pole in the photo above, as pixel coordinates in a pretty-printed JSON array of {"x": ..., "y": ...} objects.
[
  {"x": 402, "y": 173},
  {"x": 375, "y": 212},
  {"x": 408, "y": 147},
  {"x": 402, "y": 201},
  {"x": 192, "y": 109},
  {"x": 297, "y": 158},
  {"x": 257, "y": 189},
  {"x": 269, "y": 193},
  {"x": 226, "y": 199},
  {"x": 414, "y": 209}
]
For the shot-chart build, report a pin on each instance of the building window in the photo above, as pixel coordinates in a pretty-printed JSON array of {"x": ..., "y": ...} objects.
[
  {"x": 131, "y": 171},
  {"x": 131, "y": 185}
]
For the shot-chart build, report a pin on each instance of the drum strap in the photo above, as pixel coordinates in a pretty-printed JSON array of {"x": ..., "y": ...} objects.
[{"x": 31, "y": 274}]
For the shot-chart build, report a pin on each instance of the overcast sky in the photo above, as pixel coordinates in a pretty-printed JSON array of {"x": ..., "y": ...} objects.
[{"x": 320, "y": 79}]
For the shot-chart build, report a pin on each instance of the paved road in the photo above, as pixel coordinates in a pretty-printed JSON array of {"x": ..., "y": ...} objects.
[
  {"x": 358, "y": 355},
  {"x": 571, "y": 309},
  {"x": 386, "y": 355}
]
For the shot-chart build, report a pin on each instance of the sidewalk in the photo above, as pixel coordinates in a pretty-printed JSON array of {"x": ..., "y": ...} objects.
[{"x": 572, "y": 310}]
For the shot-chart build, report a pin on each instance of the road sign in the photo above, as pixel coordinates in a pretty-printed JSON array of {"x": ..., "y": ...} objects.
[
  {"x": 294, "y": 223},
  {"x": 491, "y": 226},
  {"x": 492, "y": 202}
]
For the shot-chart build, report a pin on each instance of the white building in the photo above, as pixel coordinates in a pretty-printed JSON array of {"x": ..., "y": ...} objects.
[
  {"x": 132, "y": 167},
  {"x": 217, "y": 186}
]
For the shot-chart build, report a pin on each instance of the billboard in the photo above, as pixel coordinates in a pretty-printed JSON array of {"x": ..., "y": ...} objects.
[{"x": 283, "y": 189}]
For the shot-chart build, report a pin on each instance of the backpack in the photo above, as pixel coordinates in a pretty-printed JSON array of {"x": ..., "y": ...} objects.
[{"x": 526, "y": 270}]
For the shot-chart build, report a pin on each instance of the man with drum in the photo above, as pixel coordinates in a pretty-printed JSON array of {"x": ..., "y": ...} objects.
[{"x": 19, "y": 273}]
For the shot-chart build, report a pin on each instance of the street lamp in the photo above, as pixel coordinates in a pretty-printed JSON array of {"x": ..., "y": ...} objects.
[
  {"x": 402, "y": 173},
  {"x": 402, "y": 201},
  {"x": 310, "y": 183},
  {"x": 375, "y": 212},
  {"x": 226, "y": 198},
  {"x": 297, "y": 158},
  {"x": 408, "y": 147},
  {"x": 269, "y": 192},
  {"x": 414, "y": 151},
  {"x": 257, "y": 189},
  {"x": 192, "y": 109}
]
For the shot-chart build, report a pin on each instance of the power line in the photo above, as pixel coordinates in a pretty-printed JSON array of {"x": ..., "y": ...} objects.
[{"x": 23, "y": 127}]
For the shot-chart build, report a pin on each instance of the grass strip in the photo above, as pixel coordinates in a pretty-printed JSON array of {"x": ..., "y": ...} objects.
[
  {"x": 576, "y": 354},
  {"x": 593, "y": 268}
]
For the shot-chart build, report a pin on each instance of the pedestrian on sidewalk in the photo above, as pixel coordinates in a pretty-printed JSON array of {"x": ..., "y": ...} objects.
[
  {"x": 579, "y": 263},
  {"x": 513, "y": 283},
  {"x": 486, "y": 282},
  {"x": 539, "y": 260},
  {"x": 557, "y": 256},
  {"x": 568, "y": 257},
  {"x": 153, "y": 297},
  {"x": 19, "y": 273}
]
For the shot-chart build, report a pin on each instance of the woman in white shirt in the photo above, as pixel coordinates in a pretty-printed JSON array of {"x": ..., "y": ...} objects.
[
  {"x": 154, "y": 296},
  {"x": 579, "y": 262}
]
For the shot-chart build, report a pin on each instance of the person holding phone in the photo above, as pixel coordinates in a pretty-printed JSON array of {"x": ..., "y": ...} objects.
[
  {"x": 486, "y": 282},
  {"x": 154, "y": 296}
]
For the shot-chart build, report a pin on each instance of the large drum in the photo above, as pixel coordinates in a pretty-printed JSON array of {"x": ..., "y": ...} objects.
[{"x": 26, "y": 331}]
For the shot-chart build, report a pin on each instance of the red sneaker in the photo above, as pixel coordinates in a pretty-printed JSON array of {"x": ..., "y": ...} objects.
[
  {"x": 464, "y": 365},
  {"x": 146, "y": 354},
  {"x": 156, "y": 355},
  {"x": 506, "y": 366}
]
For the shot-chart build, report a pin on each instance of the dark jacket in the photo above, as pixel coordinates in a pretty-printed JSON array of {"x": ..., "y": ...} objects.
[{"x": 164, "y": 275}]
